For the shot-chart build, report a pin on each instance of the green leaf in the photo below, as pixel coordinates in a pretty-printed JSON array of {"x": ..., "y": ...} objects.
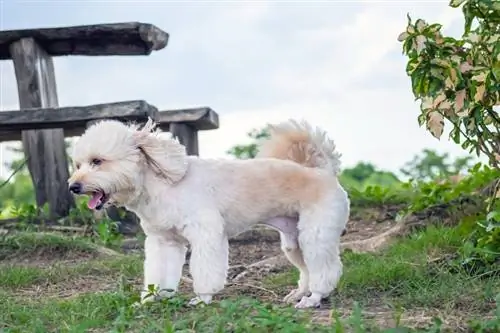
[
  {"x": 412, "y": 65},
  {"x": 493, "y": 216},
  {"x": 455, "y": 135},
  {"x": 456, "y": 3},
  {"x": 440, "y": 62},
  {"x": 415, "y": 83},
  {"x": 422, "y": 118},
  {"x": 433, "y": 28},
  {"x": 420, "y": 25}
]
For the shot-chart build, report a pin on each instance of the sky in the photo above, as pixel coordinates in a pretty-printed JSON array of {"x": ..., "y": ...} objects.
[{"x": 336, "y": 64}]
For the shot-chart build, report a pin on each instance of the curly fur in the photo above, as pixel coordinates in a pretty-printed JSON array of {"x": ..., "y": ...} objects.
[{"x": 291, "y": 186}]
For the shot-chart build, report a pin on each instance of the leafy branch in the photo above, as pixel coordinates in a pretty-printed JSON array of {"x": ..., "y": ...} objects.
[{"x": 459, "y": 80}]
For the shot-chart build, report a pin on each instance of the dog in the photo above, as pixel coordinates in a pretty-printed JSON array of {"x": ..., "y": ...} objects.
[{"x": 182, "y": 200}]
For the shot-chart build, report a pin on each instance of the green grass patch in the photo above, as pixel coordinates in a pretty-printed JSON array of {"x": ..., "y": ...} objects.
[
  {"x": 17, "y": 276},
  {"x": 410, "y": 274},
  {"x": 113, "y": 312},
  {"x": 27, "y": 243}
]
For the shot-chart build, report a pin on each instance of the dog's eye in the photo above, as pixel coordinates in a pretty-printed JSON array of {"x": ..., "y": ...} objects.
[
  {"x": 96, "y": 161},
  {"x": 77, "y": 166}
]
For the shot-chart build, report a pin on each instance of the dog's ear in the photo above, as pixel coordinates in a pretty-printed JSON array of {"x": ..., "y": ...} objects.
[{"x": 165, "y": 156}]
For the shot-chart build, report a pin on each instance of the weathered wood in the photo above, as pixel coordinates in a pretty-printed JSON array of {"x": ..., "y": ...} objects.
[
  {"x": 44, "y": 149},
  {"x": 187, "y": 135},
  {"x": 201, "y": 119},
  {"x": 131, "y": 38},
  {"x": 184, "y": 124},
  {"x": 75, "y": 118},
  {"x": 196, "y": 119}
]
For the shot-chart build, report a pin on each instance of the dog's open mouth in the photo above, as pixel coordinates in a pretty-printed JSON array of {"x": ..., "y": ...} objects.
[{"x": 97, "y": 199}]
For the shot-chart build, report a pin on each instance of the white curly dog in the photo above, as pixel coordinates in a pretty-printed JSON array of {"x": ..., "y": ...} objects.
[{"x": 291, "y": 186}]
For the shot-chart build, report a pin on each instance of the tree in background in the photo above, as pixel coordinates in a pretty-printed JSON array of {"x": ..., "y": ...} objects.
[
  {"x": 18, "y": 188},
  {"x": 365, "y": 174},
  {"x": 249, "y": 150},
  {"x": 430, "y": 165}
]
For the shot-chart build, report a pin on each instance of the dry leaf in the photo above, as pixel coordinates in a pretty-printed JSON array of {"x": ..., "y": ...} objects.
[
  {"x": 463, "y": 113},
  {"x": 420, "y": 43},
  {"x": 478, "y": 96},
  {"x": 465, "y": 67},
  {"x": 473, "y": 37},
  {"x": 427, "y": 103},
  {"x": 460, "y": 100},
  {"x": 435, "y": 123},
  {"x": 402, "y": 36},
  {"x": 446, "y": 108},
  {"x": 420, "y": 25},
  {"x": 446, "y": 105},
  {"x": 448, "y": 83},
  {"x": 438, "y": 100},
  {"x": 479, "y": 77},
  {"x": 438, "y": 38},
  {"x": 453, "y": 75},
  {"x": 471, "y": 124}
]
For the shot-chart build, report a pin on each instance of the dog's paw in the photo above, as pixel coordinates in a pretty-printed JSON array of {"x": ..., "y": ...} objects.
[
  {"x": 202, "y": 299},
  {"x": 308, "y": 302},
  {"x": 295, "y": 295}
]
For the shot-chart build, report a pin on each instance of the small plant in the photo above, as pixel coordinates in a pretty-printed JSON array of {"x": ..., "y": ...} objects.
[
  {"x": 486, "y": 239},
  {"x": 108, "y": 233},
  {"x": 374, "y": 195}
]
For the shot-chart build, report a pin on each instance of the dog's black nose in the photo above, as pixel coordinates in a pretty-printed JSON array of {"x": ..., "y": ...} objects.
[{"x": 75, "y": 188}]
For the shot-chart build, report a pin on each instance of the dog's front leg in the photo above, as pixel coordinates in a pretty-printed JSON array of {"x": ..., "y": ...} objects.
[
  {"x": 209, "y": 260},
  {"x": 162, "y": 266}
]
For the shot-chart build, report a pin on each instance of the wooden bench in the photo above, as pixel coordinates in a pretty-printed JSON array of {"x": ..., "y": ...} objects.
[
  {"x": 183, "y": 124},
  {"x": 42, "y": 125}
]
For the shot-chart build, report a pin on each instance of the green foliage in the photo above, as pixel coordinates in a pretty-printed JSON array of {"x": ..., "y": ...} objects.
[
  {"x": 459, "y": 79},
  {"x": 376, "y": 195},
  {"x": 31, "y": 217},
  {"x": 427, "y": 194},
  {"x": 360, "y": 172},
  {"x": 250, "y": 150},
  {"x": 429, "y": 165},
  {"x": 364, "y": 175}
]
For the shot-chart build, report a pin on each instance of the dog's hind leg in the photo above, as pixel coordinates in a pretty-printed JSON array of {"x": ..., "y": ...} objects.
[
  {"x": 320, "y": 230},
  {"x": 290, "y": 246},
  {"x": 162, "y": 266},
  {"x": 287, "y": 228}
]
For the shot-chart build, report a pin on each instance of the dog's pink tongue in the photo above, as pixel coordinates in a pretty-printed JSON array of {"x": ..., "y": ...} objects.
[{"x": 95, "y": 200}]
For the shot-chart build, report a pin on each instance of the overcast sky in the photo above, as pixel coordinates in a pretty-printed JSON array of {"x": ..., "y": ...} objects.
[{"x": 337, "y": 64}]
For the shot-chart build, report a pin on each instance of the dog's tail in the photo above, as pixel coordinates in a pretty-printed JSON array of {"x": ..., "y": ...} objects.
[{"x": 301, "y": 143}]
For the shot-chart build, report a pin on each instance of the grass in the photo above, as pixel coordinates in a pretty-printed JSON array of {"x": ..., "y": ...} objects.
[
  {"x": 410, "y": 274},
  {"x": 96, "y": 293},
  {"x": 27, "y": 243}
]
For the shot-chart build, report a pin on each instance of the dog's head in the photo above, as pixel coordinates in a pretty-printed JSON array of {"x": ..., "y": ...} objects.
[{"x": 111, "y": 161}]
